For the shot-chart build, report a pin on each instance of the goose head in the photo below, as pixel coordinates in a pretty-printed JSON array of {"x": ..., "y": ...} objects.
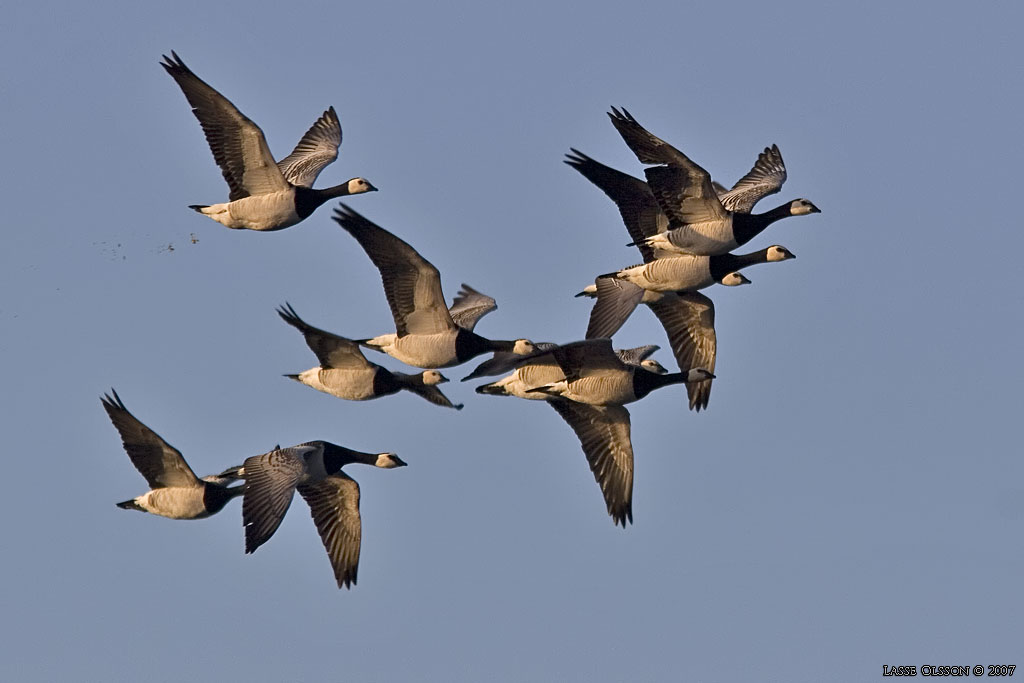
[
  {"x": 735, "y": 279},
  {"x": 802, "y": 207},
  {"x": 360, "y": 185},
  {"x": 432, "y": 377},
  {"x": 777, "y": 253},
  {"x": 389, "y": 460},
  {"x": 654, "y": 366},
  {"x": 524, "y": 347},
  {"x": 699, "y": 375}
]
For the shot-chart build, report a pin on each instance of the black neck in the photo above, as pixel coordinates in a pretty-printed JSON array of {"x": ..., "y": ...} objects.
[
  {"x": 644, "y": 381},
  {"x": 215, "y": 496},
  {"x": 386, "y": 382},
  {"x": 470, "y": 345},
  {"x": 747, "y": 226},
  {"x": 721, "y": 266},
  {"x": 308, "y": 200},
  {"x": 335, "y": 457}
]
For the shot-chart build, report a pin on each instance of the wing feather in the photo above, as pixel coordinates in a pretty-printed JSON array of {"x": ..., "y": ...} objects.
[
  {"x": 332, "y": 350},
  {"x": 158, "y": 461},
  {"x": 270, "y": 481},
  {"x": 317, "y": 148},
  {"x": 412, "y": 284},
  {"x": 604, "y": 435},
  {"x": 689, "y": 321},
  {"x": 334, "y": 506},
  {"x": 469, "y": 306},
  {"x": 765, "y": 178},
  {"x": 238, "y": 144}
]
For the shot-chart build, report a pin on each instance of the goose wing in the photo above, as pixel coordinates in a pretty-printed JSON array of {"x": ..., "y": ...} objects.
[
  {"x": 640, "y": 211},
  {"x": 684, "y": 198},
  {"x": 686, "y": 181},
  {"x": 158, "y": 461},
  {"x": 469, "y": 306},
  {"x": 585, "y": 358},
  {"x": 434, "y": 395},
  {"x": 689, "y": 321},
  {"x": 332, "y": 351},
  {"x": 270, "y": 481},
  {"x": 506, "y": 361},
  {"x": 616, "y": 300},
  {"x": 317, "y": 148},
  {"x": 237, "y": 143},
  {"x": 765, "y": 178},
  {"x": 604, "y": 435},
  {"x": 334, "y": 505},
  {"x": 637, "y": 354},
  {"x": 412, "y": 284}
]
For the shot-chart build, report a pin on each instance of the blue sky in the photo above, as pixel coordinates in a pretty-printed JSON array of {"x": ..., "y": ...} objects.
[{"x": 853, "y": 497}]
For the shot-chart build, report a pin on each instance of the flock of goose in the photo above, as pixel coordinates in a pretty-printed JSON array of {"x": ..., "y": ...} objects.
[{"x": 684, "y": 224}]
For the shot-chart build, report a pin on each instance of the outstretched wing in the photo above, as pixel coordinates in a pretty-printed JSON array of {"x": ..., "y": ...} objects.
[
  {"x": 689, "y": 322},
  {"x": 411, "y": 283},
  {"x": 158, "y": 461},
  {"x": 616, "y": 301},
  {"x": 469, "y": 306},
  {"x": 334, "y": 505},
  {"x": 765, "y": 178},
  {"x": 317, "y": 148},
  {"x": 270, "y": 481},
  {"x": 332, "y": 351},
  {"x": 640, "y": 211},
  {"x": 603, "y": 432},
  {"x": 237, "y": 143}
]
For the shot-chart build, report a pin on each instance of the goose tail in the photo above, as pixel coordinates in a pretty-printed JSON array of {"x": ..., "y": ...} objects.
[
  {"x": 130, "y": 505},
  {"x": 198, "y": 207}
]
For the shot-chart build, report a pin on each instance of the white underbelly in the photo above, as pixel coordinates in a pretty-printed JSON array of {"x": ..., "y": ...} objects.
[
  {"x": 174, "y": 502},
  {"x": 260, "y": 212},
  {"x": 709, "y": 238},
  {"x": 673, "y": 274},
  {"x": 351, "y": 385},
  {"x": 425, "y": 350},
  {"x": 616, "y": 389}
]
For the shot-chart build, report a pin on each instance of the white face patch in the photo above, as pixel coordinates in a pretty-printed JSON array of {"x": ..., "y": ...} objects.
[
  {"x": 735, "y": 280},
  {"x": 654, "y": 366},
  {"x": 359, "y": 185},
  {"x": 777, "y": 253},
  {"x": 388, "y": 461},
  {"x": 523, "y": 347},
  {"x": 802, "y": 207},
  {"x": 431, "y": 377}
]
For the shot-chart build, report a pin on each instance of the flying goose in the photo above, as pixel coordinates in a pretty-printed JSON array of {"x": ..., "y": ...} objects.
[
  {"x": 264, "y": 195},
  {"x": 591, "y": 401},
  {"x": 700, "y": 221},
  {"x": 603, "y": 431},
  {"x": 426, "y": 337},
  {"x": 688, "y": 273},
  {"x": 640, "y": 211},
  {"x": 176, "y": 491},
  {"x": 314, "y": 469},
  {"x": 594, "y": 374},
  {"x": 344, "y": 371},
  {"x": 542, "y": 369},
  {"x": 688, "y": 319}
]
